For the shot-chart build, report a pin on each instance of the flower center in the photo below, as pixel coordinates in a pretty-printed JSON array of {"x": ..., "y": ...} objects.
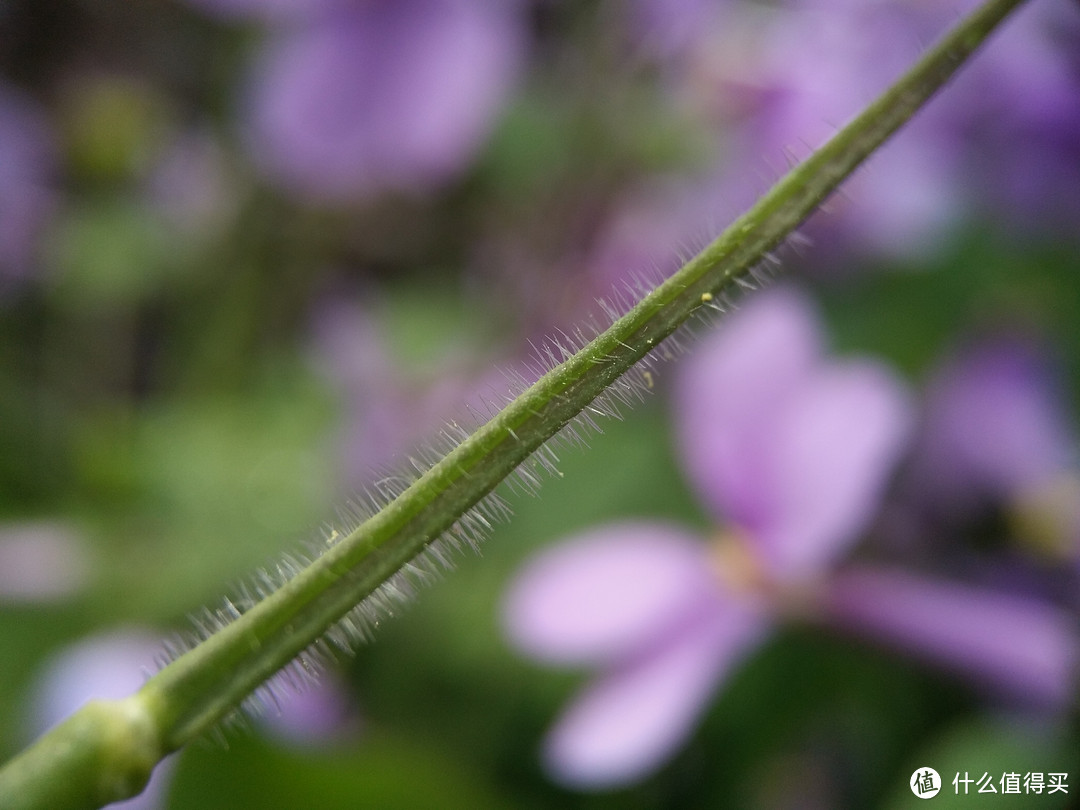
[
  {"x": 1047, "y": 516},
  {"x": 735, "y": 564},
  {"x": 739, "y": 568}
]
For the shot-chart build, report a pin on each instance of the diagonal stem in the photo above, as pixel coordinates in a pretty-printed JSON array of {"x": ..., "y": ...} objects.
[{"x": 105, "y": 752}]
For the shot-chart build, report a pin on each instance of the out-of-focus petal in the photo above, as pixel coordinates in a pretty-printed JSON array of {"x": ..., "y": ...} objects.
[
  {"x": 27, "y": 162},
  {"x": 379, "y": 96},
  {"x": 994, "y": 426},
  {"x": 1014, "y": 643},
  {"x": 830, "y": 453},
  {"x": 728, "y": 392},
  {"x": 41, "y": 562},
  {"x": 606, "y": 593},
  {"x": 626, "y": 724},
  {"x": 321, "y": 714},
  {"x": 666, "y": 27}
]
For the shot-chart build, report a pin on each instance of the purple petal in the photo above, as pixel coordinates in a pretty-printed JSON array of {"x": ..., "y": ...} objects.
[
  {"x": 604, "y": 594},
  {"x": 994, "y": 425},
  {"x": 382, "y": 96},
  {"x": 626, "y": 724},
  {"x": 322, "y": 713},
  {"x": 831, "y": 451},
  {"x": 41, "y": 562},
  {"x": 728, "y": 391},
  {"x": 27, "y": 161},
  {"x": 792, "y": 450},
  {"x": 666, "y": 27},
  {"x": 1013, "y": 643}
]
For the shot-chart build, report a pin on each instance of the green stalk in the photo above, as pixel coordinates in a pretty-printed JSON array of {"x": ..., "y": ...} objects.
[{"x": 106, "y": 751}]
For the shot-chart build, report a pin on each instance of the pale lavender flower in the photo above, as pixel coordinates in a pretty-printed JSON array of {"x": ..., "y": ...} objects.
[
  {"x": 781, "y": 80},
  {"x": 372, "y": 95},
  {"x": 322, "y": 714},
  {"x": 390, "y": 407},
  {"x": 996, "y": 429},
  {"x": 640, "y": 601},
  {"x": 41, "y": 562},
  {"x": 27, "y": 161},
  {"x": 790, "y": 450},
  {"x": 664, "y": 28},
  {"x": 815, "y": 66}
]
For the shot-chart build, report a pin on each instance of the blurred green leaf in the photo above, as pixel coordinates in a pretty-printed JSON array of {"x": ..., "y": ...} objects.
[
  {"x": 382, "y": 771},
  {"x": 994, "y": 746}
]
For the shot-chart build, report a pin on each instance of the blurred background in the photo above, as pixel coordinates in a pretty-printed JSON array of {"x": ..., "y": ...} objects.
[{"x": 252, "y": 251}]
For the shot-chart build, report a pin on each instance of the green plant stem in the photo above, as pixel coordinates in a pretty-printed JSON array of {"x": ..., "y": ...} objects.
[{"x": 80, "y": 764}]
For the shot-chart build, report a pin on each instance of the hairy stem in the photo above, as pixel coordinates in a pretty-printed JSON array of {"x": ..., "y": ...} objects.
[{"x": 80, "y": 764}]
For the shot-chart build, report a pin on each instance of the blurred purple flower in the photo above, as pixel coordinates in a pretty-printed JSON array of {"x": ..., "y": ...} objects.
[
  {"x": 40, "y": 562},
  {"x": 1007, "y": 143},
  {"x": 641, "y": 601},
  {"x": 1017, "y": 110},
  {"x": 816, "y": 66},
  {"x": 371, "y": 95},
  {"x": 996, "y": 429},
  {"x": 790, "y": 450},
  {"x": 322, "y": 714},
  {"x": 390, "y": 409},
  {"x": 664, "y": 28},
  {"x": 27, "y": 162}
]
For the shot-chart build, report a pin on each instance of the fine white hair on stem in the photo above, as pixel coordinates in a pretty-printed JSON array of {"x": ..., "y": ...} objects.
[{"x": 474, "y": 525}]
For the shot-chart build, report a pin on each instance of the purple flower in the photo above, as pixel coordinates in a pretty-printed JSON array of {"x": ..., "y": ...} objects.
[
  {"x": 815, "y": 67},
  {"x": 641, "y": 601},
  {"x": 790, "y": 450},
  {"x": 27, "y": 158},
  {"x": 995, "y": 428},
  {"x": 389, "y": 406},
  {"x": 320, "y": 715},
  {"x": 1005, "y": 144},
  {"x": 373, "y": 95},
  {"x": 40, "y": 562},
  {"x": 666, "y": 27}
]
